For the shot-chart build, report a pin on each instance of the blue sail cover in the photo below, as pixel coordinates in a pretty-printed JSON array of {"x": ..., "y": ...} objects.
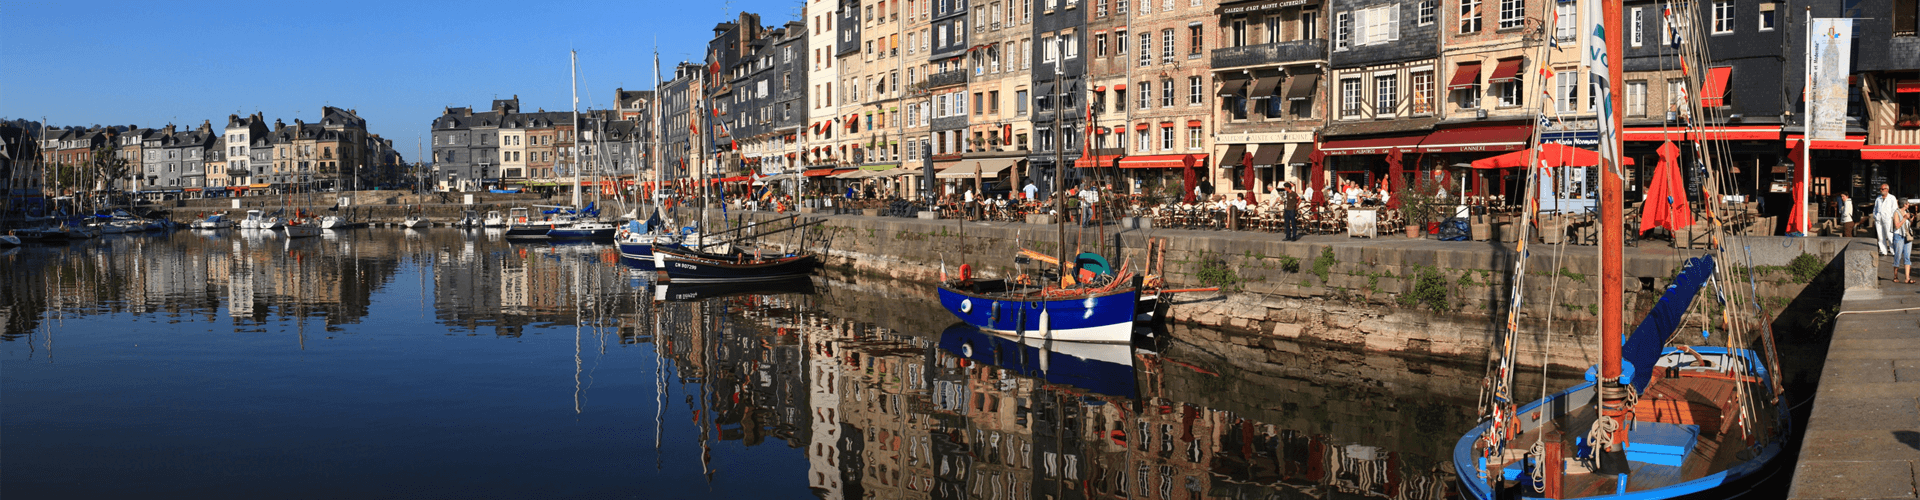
[{"x": 1643, "y": 348}]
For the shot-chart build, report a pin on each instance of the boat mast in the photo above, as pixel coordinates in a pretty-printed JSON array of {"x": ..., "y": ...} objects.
[
  {"x": 573, "y": 76},
  {"x": 1613, "y": 393},
  {"x": 1059, "y": 152},
  {"x": 654, "y": 144}
]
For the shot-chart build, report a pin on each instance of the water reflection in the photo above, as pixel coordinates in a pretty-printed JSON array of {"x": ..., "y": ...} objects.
[{"x": 859, "y": 387}]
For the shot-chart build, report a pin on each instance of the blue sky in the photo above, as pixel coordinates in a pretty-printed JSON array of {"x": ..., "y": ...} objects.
[{"x": 397, "y": 62}]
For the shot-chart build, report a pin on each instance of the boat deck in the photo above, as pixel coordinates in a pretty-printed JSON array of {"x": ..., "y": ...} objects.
[{"x": 1684, "y": 427}]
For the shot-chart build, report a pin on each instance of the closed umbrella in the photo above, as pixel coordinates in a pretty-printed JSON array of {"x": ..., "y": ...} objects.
[
  {"x": 1797, "y": 217},
  {"x": 1666, "y": 203},
  {"x": 1246, "y": 165},
  {"x": 1186, "y": 182},
  {"x": 1318, "y": 171},
  {"x": 1394, "y": 171}
]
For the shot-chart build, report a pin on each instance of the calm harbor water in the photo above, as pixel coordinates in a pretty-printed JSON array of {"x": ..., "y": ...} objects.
[{"x": 384, "y": 363}]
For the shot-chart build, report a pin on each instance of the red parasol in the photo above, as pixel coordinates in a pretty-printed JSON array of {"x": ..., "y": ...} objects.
[
  {"x": 1797, "y": 217},
  {"x": 1394, "y": 171},
  {"x": 1666, "y": 202},
  {"x": 1248, "y": 180},
  {"x": 1552, "y": 155},
  {"x": 1319, "y": 178}
]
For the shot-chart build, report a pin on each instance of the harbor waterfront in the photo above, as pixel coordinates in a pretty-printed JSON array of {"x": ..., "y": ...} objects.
[
  {"x": 386, "y": 363},
  {"x": 322, "y": 367}
]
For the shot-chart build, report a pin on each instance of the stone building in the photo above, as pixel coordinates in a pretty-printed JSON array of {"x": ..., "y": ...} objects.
[
  {"x": 1169, "y": 120},
  {"x": 240, "y": 133},
  {"x": 821, "y": 138},
  {"x": 1271, "y": 61},
  {"x": 998, "y": 84}
]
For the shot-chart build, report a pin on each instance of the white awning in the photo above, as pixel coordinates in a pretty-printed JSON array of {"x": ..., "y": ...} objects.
[{"x": 988, "y": 167}]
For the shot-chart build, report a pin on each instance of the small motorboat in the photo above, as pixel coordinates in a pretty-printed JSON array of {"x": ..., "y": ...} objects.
[
  {"x": 583, "y": 230},
  {"x": 215, "y": 221},
  {"x": 414, "y": 221},
  {"x": 494, "y": 219},
  {"x": 9, "y": 240},
  {"x": 299, "y": 228}
]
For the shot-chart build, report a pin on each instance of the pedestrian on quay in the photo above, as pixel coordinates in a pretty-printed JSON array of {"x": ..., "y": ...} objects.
[
  {"x": 1031, "y": 191},
  {"x": 1884, "y": 207},
  {"x": 1089, "y": 200},
  {"x": 1293, "y": 211},
  {"x": 1903, "y": 244},
  {"x": 1846, "y": 215}
]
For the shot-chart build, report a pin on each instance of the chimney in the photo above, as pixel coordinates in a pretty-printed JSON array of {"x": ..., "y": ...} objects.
[{"x": 279, "y": 125}]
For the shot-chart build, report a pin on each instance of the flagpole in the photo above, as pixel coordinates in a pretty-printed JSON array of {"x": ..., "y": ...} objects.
[{"x": 1806, "y": 131}]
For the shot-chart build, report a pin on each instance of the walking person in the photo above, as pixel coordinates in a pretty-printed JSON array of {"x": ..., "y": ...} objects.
[
  {"x": 1089, "y": 205},
  {"x": 1846, "y": 215},
  {"x": 1903, "y": 244},
  {"x": 1884, "y": 207}
]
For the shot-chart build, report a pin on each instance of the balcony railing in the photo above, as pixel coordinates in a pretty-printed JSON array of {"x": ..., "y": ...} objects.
[
  {"x": 946, "y": 78},
  {"x": 1270, "y": 53}
]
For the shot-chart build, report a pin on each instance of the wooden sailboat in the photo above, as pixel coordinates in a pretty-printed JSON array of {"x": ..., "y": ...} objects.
[
  {"x": 1652, "y": 420},
  {"x": 1089, "y": 303}
]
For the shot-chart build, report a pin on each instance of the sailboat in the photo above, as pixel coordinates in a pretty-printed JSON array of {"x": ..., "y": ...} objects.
[
  {"x": 636, "y": 238},
  {"x": 1651, "y": 420},
  {"x": 1090, "y": 302}
]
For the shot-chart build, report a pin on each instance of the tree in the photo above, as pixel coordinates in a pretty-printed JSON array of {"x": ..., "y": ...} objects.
[{"x": 108, "y": 166}]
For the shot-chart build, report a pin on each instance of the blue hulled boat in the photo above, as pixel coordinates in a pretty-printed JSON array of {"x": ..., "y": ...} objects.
[{"x": 1101, "y": 368}]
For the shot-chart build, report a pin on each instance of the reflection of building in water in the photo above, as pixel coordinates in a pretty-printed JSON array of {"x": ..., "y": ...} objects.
[
  {"x": 513, "y": 290},
  {"x": 818, "y": 338}
]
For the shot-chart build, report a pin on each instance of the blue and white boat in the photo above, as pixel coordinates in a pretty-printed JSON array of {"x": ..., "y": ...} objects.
[
  {"x": 582, "y": 230},
  {"x": 1100, "y": 314},
  {"x": 1101, "y": 368}
]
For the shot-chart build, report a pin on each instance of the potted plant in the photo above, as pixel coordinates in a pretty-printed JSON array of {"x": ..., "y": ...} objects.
[{"x": 1421, "y": 204}]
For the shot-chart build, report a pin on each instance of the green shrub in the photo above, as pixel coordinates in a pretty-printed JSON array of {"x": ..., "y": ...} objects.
[
  {"x": 1430, "y": 289},
  {"x": 1323, "y": 265},
  {"x": 1216, "y": 273},
  {"x": 1805, "y": 267},
  {"x": 1290, "y": 263}
]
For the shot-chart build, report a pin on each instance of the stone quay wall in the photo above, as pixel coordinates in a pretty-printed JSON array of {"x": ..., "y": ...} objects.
[{"x": 1422, "y": 298}]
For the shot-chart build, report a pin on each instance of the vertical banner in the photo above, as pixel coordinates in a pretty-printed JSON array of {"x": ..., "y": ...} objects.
[
  {"x": 1599, "y": 71},
  {"x": 1829, "y": 44}
]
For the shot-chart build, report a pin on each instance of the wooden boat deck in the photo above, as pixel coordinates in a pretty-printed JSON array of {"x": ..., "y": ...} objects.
[{"x": 1689, "y": 396}]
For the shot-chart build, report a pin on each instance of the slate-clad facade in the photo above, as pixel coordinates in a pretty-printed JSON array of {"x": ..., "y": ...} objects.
[{"x": 1060, "y": 91}]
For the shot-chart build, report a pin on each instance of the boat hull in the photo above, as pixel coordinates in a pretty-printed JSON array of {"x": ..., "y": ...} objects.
[
  {"x": 1095, "y": 317},
  {"x": 684, "y": 292},
  {"x": 1101, "y": 368},
  {"x": 703, "y": 268},
  {"x": 530, "y": 231},
  {"x": 564, "y": 233}
]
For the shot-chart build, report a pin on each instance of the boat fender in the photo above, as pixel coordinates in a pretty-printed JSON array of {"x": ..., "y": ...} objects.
[
  {"x": 993, "y": 316},
  {"x": 966, "y": 305},
  {"x": 966, "y": 272}
]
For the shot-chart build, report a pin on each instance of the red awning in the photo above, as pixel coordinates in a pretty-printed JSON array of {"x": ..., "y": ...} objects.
[
  {"x": 1890, "y": 152},
  {"x": 1100, "y": 88},
  {"x": 1119, "y": 86},
  {"x": 1906, "y": 86},
  {"x": 1141, "y": 126},
  {"x": 1193, "y": 123},
  {"x": 1166, "y": 124},
  {"x": 1164, "y": 161},
  {"x": 1467, "y": 75},
  {"x": 819, "y": 172},
  {"x": 1097, "y": 161},
  {"x": 191, "y": 190},
  {"x": 1852, "y": 142},
  {"x": 737, "y": 178},
  {"x": 1508, "y": 70},
  {"x": 1653, "y": 134},
  {"x": 1716, "y": 90},
  {"x": 790, "y": 156},
  {"x": 1369, "y": 146},
  {"x": 1478, "y": 138}
]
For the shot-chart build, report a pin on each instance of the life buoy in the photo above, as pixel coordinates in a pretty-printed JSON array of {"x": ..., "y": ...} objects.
[{"x": 966, "y": 272}]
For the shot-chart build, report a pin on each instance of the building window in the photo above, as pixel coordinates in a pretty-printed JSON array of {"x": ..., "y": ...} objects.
[
  {"x": 1238, "y": 33},
  {"x": 1422, "y": 92},
  {"x": 1637, "y": 98},
  {"x": 1194, "y": 91},
  {"x": 1512, "y": 13},
  {"x": 1425, "y": 12},
  {"x": 1020, "y": 102},
  {"x": 1467, "y": 97},
  {"x": 1766, "y": 17},
  {"x": 1166, "y": 138},
  {"x": 1119, "y": 42},
  {"x": 1343, "y": 30},
  {"x": 1565, "y": 21},
  {"x": 1509, "y": 92},
  {"x": 1469, "y": 16},
  {"x": 1722, "y": 18},
  {"x": 1565, "y": 90},
  {"x": 1100, "y": 43},
  {"x": 1350, "y": 104},
  {"x": 1634, "y": 32},
  {"x": 1386, "y": 95},
  {"x": 1310, "y": 24},
  {"x": 1166, "y": 46},
  {"x": 1072, "y": 42},
  {"x": 1272, "y": 25},
  {"x": 1193, "y": 137},
  {"x": 993, "y": 102},
  {"x": 1143, "y": 143},
  {"x": 1166, "y": 93},
  {"x": 1146, "y": 95},
  {"x": 1194, "y": 42}
]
